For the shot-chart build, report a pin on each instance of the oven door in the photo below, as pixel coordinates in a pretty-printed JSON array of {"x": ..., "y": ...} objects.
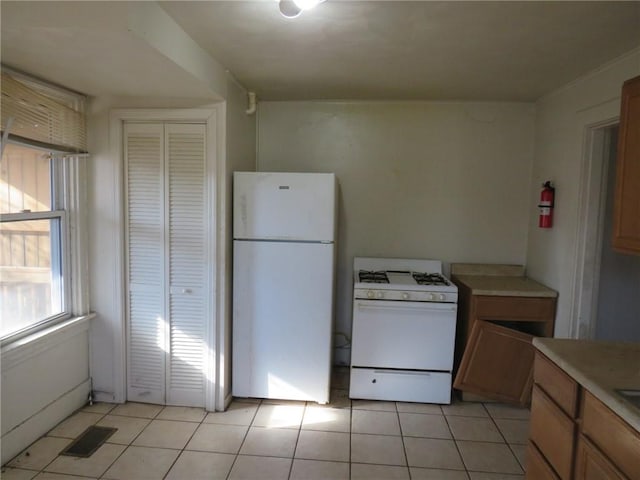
[{"x": 403, "y": 335}]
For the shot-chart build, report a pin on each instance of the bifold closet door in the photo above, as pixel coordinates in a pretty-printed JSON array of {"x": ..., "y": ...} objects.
[
  {"x": 167, "y": 273},
  {"x": 146, "y": 319},
  {"x": 187, "y": 263}
]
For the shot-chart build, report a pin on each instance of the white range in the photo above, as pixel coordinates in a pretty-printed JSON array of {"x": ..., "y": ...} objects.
[{"x": 403, "y": 336}]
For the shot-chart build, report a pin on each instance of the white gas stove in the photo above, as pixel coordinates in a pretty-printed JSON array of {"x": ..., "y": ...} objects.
[
  {"x": 405, "y": 285},
  {"x": 404, "y": 320}
]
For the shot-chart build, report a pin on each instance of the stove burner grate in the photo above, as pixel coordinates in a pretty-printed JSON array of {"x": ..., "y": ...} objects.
[
  {"x": 430, "y": 279},
  {"x": 367, "y": 276}
]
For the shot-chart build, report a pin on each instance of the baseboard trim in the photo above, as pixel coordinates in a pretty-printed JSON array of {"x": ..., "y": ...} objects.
[
  {"x": 24, "y": 434},
  {"x": 227, "y": 401}
]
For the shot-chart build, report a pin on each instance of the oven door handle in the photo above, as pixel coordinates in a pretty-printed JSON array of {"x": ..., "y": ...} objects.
[
  {"x": 423, "y": 306},
  {"x": 406, "y": 373}
]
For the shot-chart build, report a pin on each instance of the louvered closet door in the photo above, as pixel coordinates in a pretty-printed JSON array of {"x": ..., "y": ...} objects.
[
  {"x": 167, "y": 263},
  {"x": 146, "y": 319},
  {"x": 187, "y": 262}
]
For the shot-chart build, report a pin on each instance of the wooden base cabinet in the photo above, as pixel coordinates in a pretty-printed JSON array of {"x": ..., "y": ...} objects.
[
  {"x": 537, "y": 466},
  {"x": 591, "y": 464},
  {"x": 611, "y": 435},
  {"x": 496, "y": 333},
  {"x": 553, "y": 432},
  {"x": 573, "y": 435},
  {"x": 553, "y": 417}
]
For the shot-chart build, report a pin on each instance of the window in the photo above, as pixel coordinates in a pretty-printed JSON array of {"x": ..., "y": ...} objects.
[
  {"x": 31, "y": 257},
  {"x": 41, "y": 198}
]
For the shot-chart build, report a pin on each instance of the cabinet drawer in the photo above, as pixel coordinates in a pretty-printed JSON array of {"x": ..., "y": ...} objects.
[
  {"x": 558, "y": 385},
  {"x": 591, "y": 464},
  {"x": 537, "y": 466},
  {"x": 514, "y": 308},
  {"x": 400, "y": 385},
  {"x": 611, "y": 435},
  {"x": 553, "y": 432}
]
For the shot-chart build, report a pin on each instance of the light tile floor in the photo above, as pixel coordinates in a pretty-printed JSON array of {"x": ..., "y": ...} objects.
[{"x": 267, "y": 439}]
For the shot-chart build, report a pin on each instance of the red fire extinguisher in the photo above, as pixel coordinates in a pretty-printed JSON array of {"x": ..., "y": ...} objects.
[{"x": 546, "y": 205}]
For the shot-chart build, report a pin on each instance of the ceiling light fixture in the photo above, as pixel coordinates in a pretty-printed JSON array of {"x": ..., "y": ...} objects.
[{"x": 293, "y": 8}]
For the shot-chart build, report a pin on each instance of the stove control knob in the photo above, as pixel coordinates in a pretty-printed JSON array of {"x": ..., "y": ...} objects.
[
  {"x": 379, "y": 295},
  {"x": 370, "y": 294},
  {"x": 441, "y": 297},
  {"x": 405, "y": 296},
  {"x": 432, "y": 297}
]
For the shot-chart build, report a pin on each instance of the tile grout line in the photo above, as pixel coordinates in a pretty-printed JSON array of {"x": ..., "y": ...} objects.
[
  {"x": 466, "y": 470},
  {"x": 493, "y": 420},
  {"x": 293, "y": 455},
  {"x": 404, "y": 447},
  {"x": 185, "y": 444},
  {"x": 237, "y": 454},
  {"x": 350, "y": 436},
  {"x": 132, "y": 440}
]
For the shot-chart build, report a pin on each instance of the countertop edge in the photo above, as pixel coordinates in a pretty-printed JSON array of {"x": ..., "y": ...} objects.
[
  {"x": 617, "y": 404},
  {"x": 513, "y": 293},
  {"x": 504, "y": 286}
]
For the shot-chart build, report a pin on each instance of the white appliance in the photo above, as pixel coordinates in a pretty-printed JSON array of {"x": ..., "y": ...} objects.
[
  {"x": 404, "y": 325},
  {"x": 284, "y": 230}
]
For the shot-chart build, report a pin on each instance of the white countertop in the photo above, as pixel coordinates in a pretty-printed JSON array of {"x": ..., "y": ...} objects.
[{"x": 601, "y": 368}]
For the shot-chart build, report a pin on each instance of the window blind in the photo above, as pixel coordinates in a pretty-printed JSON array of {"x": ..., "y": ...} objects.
[{"x": 42, "y": 117}]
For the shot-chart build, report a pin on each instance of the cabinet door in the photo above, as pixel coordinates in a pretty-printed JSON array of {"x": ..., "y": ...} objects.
[
  {"x": 626, "y": 221},
  {"x": 553, "y": 433},
  {"x": 537, "y": 466},
  {"x": 612, "y": 435},
  {"x": 497, "y": 363},
  {"x": 591, "y": 464}
]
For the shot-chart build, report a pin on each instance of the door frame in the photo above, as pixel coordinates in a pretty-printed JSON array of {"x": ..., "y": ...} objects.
[
  {"x": 213, "y": 118},
  {"x": 592, "y": 200}
]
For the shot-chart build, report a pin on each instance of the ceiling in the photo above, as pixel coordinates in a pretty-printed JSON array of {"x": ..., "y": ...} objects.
[{"x": 381, "y": 50}]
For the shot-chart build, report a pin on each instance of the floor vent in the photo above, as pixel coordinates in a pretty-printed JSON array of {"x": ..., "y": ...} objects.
[{"x": 89, "y": 441}]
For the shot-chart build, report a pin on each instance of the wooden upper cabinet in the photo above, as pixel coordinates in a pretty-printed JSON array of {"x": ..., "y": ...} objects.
[{"x": 626, "y": 222}]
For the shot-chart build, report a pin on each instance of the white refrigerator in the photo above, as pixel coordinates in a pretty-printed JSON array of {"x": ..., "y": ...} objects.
[{"x": 284, "y": 230}]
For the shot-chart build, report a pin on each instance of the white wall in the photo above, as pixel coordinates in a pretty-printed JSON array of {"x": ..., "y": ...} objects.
[
  {"x": 241, "y": 156},
  {"x": 443, "y": 180},
  {"x": 562, "y": 120},
  {"x": 43, "y": 382},
  {"x": 106, "y": 226}
]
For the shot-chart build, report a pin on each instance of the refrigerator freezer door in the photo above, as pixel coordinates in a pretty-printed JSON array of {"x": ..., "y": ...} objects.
[
  {"x": 284, "y": 206},
  {"x": 282, "y": 320}
]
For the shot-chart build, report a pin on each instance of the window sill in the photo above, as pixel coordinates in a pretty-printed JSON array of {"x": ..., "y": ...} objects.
[{"x": 27, "y": 347}]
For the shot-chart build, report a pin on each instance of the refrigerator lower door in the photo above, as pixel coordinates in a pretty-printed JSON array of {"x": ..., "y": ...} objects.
[{"x": 282, "y": 320}]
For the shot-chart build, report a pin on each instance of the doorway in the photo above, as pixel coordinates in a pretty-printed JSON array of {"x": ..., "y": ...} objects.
[
  {"x": 173, "y": 340},
  {"x": 608, "y": 282},
  {"x": 618, "y": 295}
]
